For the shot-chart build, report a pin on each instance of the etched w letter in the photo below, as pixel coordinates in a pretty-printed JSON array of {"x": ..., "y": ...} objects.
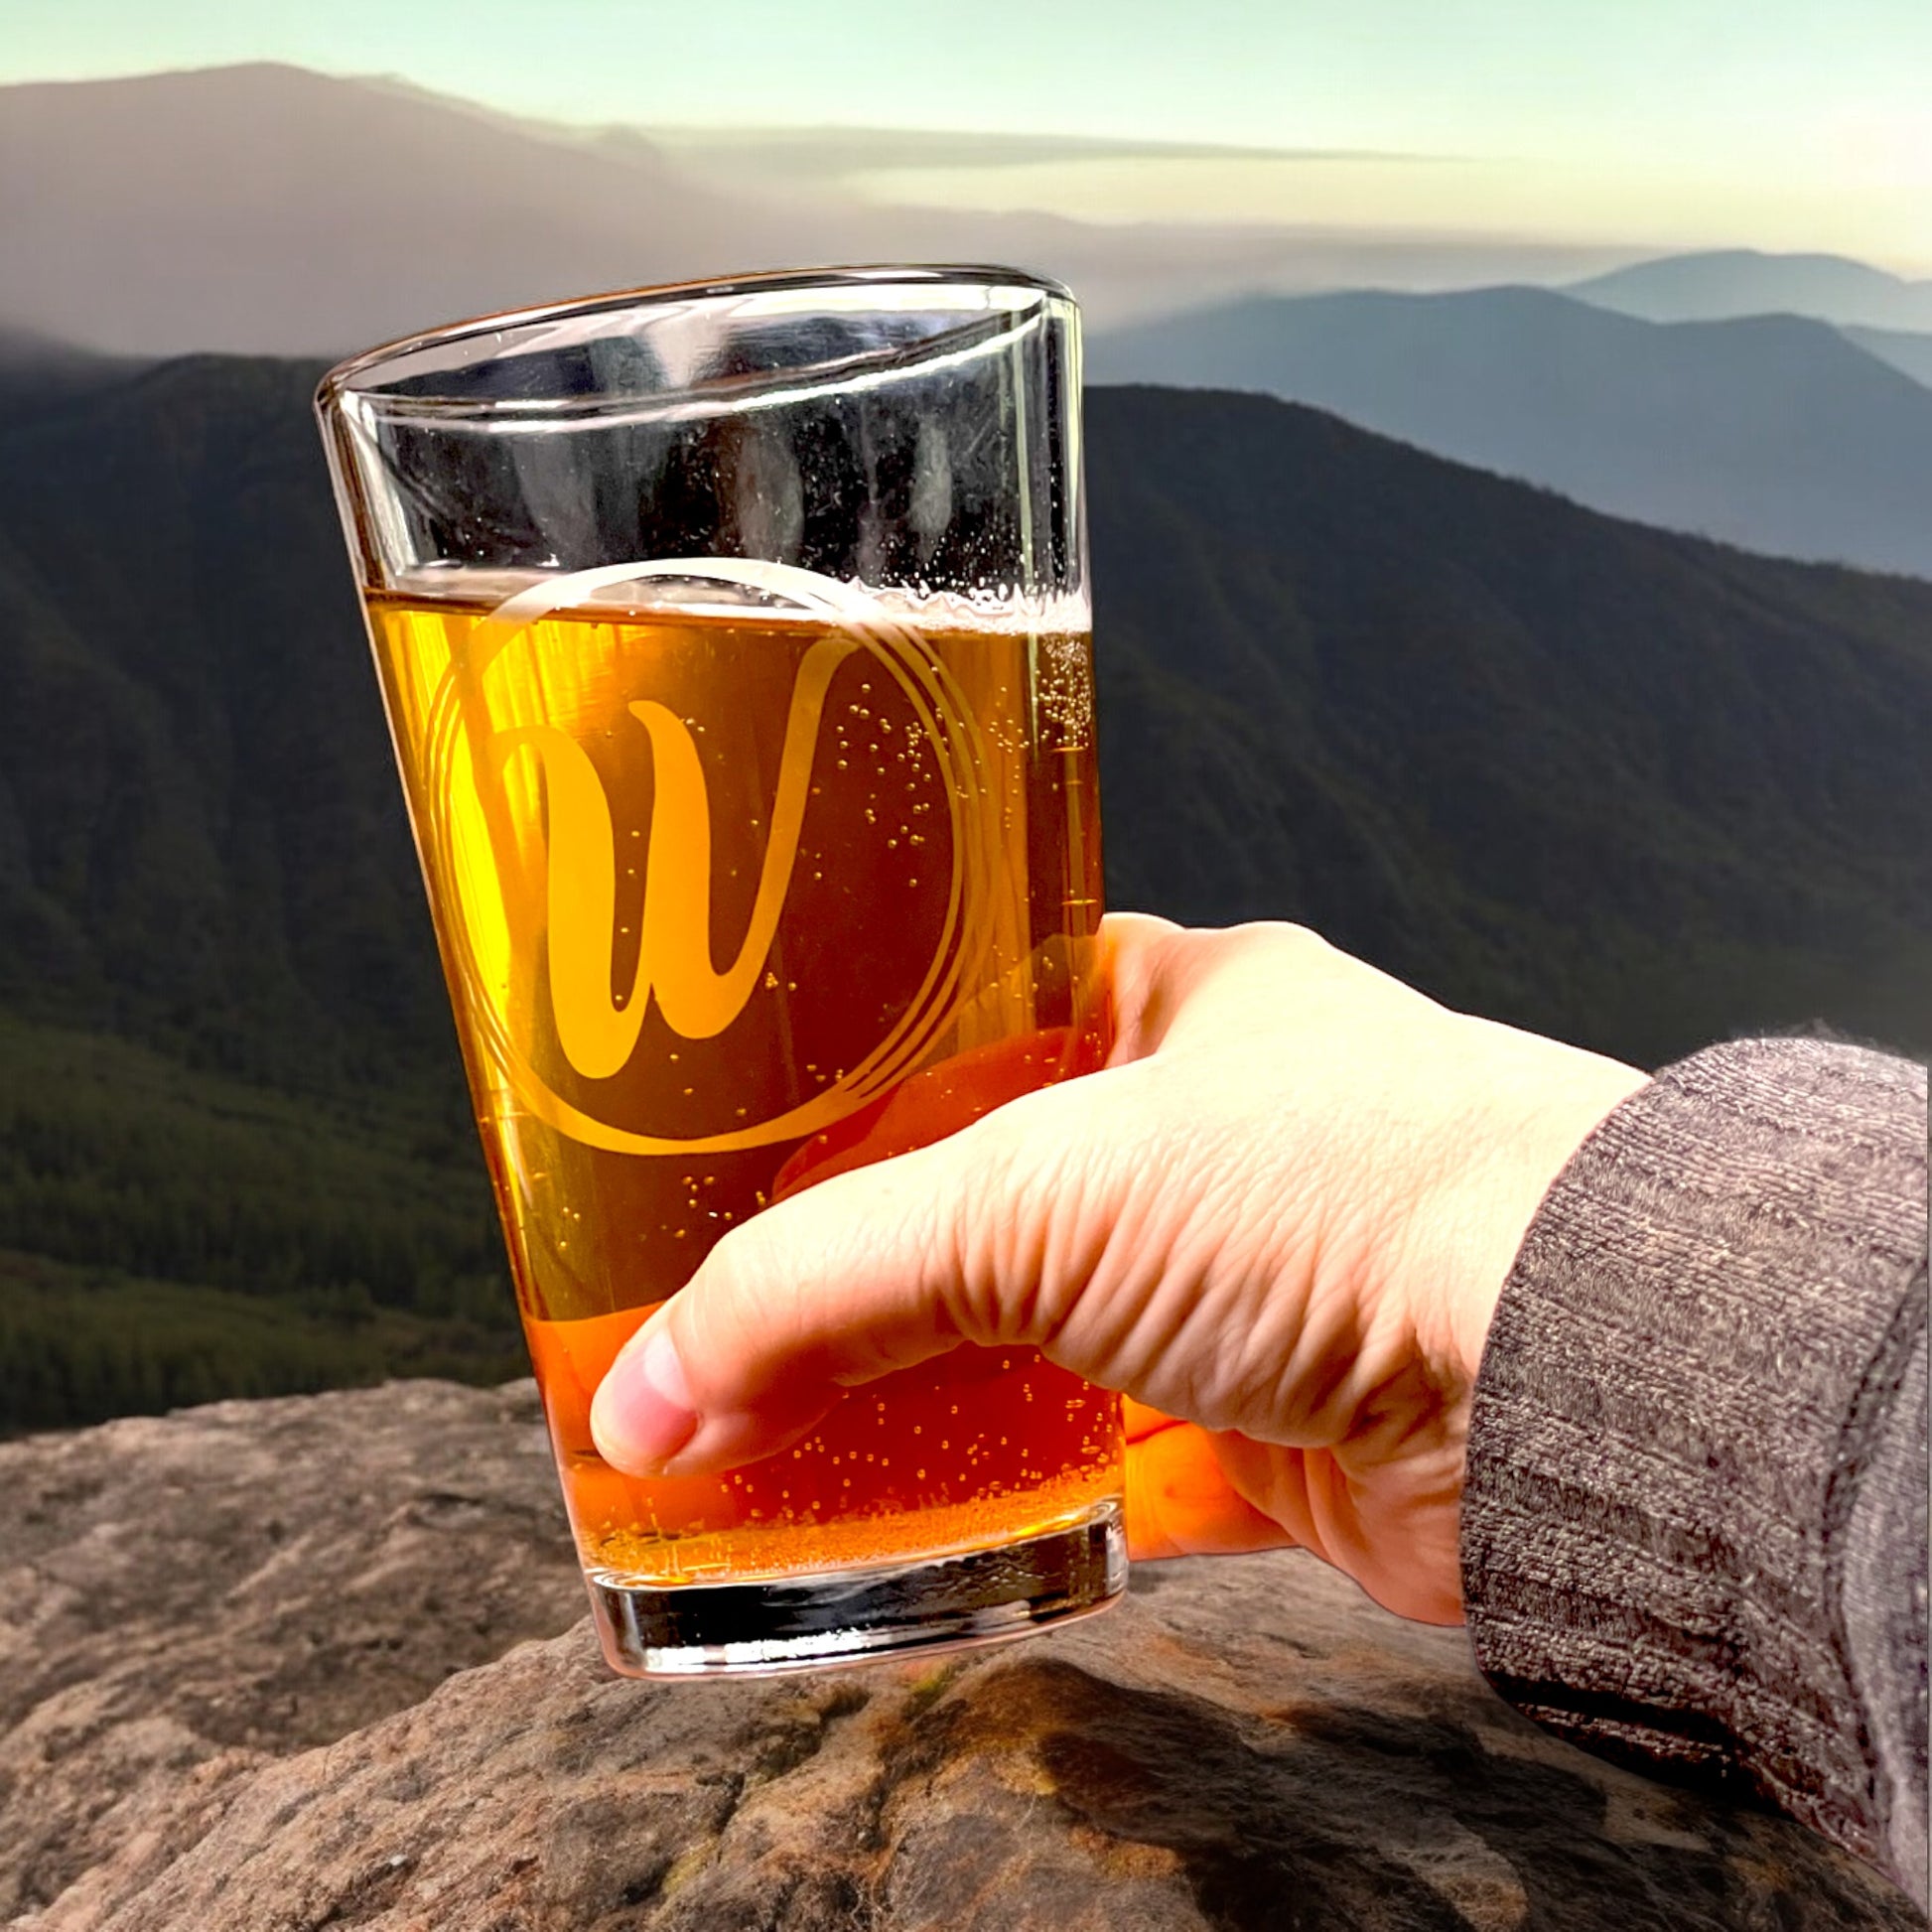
[{"x": 597, "y": 1033}]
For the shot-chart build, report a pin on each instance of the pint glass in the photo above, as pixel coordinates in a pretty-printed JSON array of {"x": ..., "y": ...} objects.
[{"x": 735, "y": 643}]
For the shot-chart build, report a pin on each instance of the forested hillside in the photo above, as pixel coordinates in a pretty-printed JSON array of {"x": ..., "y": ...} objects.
[
  {"x": 1582, "y": 776},
  {"x": 1627, "y": 787}
]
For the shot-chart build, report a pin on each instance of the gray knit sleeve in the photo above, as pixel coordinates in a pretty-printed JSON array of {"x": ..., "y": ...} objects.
[{"x": 1694, "y": 1529}]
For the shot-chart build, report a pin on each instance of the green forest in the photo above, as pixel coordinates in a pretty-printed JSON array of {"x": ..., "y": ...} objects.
[
  {"x": 1628, "y": 787},
  {"x": 171, "y": 1235}
]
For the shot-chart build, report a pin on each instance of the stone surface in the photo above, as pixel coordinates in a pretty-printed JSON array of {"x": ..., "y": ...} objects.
[
  {"x": 1242, "y": 1745},
  {"x": 249, "y": 1578}
]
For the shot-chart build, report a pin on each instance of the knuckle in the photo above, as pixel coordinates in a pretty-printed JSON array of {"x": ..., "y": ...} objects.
[{"x": 1023, "y": 1172}]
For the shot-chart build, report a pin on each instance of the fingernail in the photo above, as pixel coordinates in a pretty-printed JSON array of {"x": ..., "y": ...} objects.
[{"x": 642, "y": 1414}]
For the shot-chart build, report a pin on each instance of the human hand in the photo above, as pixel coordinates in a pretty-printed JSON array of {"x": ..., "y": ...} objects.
[{"x": 1277, "y": 1221}]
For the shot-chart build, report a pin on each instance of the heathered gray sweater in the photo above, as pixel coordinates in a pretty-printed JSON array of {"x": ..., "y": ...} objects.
[{"x": 1694, "y": 1528}]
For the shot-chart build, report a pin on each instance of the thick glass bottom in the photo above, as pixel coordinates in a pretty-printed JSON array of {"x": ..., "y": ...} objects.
[{"x": 789, "y": 1623}]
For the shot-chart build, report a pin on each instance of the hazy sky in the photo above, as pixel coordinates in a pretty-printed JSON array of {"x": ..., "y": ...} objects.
[{"x": 1784, "y": 124}]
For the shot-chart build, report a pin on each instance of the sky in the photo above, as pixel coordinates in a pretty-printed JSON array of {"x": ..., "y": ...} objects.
[{"x": 1784, "y": 123}]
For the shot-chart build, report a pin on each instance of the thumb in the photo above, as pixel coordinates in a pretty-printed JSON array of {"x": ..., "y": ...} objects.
[{"x": 874, "y": 1269}]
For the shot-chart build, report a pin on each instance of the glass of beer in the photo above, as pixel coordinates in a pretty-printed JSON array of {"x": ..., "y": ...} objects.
[{"x": 734, "y": 639}]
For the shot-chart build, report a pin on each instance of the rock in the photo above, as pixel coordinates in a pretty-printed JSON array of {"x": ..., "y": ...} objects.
[
  {"x": 228, "y": 1584},
  {"x": 1241, "y": 1745}
]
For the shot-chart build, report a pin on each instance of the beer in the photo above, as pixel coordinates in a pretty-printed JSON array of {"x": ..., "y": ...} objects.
[{"x": 735, "y": 892}]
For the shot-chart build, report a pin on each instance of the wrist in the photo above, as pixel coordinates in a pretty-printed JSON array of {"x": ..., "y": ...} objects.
[{"x": 1534, "y": 1105}]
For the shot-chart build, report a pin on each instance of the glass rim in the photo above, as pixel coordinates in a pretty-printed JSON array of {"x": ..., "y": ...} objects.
[{"x": 348, "y": 379}]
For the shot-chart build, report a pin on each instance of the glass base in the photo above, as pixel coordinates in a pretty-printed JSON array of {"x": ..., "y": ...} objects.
[{"x": 857, "y": 1617}]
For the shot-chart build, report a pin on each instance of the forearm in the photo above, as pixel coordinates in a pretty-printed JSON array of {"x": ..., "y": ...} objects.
[{"x": 1693, "y": 1523}]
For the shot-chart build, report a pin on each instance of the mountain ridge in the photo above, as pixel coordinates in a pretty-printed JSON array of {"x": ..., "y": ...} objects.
[
  {"x": 318, "y": 150},
  {"x": 1908, "y": 350},
  {"x": 1775, "y": 433},
  {"x": 1724, "y": 284}
]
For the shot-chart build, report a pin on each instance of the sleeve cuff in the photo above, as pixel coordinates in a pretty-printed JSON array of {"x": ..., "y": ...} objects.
[{"x": 1704, "y": 1344}]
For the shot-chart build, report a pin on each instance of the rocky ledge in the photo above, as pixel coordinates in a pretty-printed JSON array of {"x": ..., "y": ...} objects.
[{"x": 233, "y": 1702}]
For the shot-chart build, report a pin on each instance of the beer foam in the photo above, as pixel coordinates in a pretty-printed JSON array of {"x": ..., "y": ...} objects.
[{"x": 1004, "y": 611}]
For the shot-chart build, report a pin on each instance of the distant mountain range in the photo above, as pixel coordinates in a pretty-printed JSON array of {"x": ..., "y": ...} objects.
[
  {"x": 1627, "y": 787},
  {"x": 268, "y": 206},
  {"x": 1720, "y": 284},
  {"x": 1903, "y": 349},
  {"x": 270, "y": 209},
  {"x": 1770, "y": 431}
]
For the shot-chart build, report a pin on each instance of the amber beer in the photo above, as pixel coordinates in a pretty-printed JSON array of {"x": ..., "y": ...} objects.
[{"x": 732, "y": 899}]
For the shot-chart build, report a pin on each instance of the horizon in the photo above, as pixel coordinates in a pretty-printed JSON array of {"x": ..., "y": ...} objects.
[{"x": 1706, "y": 128}]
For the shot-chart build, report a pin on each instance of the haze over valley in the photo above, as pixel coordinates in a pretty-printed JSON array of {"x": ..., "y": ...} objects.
[
  {"x": 269, "y": 209},
  {"x": 266, "y": 209}
]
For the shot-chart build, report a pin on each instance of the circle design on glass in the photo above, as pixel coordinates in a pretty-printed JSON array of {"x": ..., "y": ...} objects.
[{"x": 596, "y": 1034}]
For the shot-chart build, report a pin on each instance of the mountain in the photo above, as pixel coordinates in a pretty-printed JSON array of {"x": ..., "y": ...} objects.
[
  {"x": 1904, "y": 351},
  {"x": 266, "y": 205},
  {"x": 200, "y": 845},
  {"x": 233, "y": 1159},
  {"x": 41, "y": 369},
  {"x": 1771, "y": 431},
  {"x": 274, "y": 210},
  {"x": 27, "y": 350},
  {"x": 1623, "y": 786},
  {"x": 1722, "y": 283}
]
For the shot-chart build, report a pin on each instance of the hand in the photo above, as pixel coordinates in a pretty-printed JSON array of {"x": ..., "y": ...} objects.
[{"x": 1278, "y": 1220}]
